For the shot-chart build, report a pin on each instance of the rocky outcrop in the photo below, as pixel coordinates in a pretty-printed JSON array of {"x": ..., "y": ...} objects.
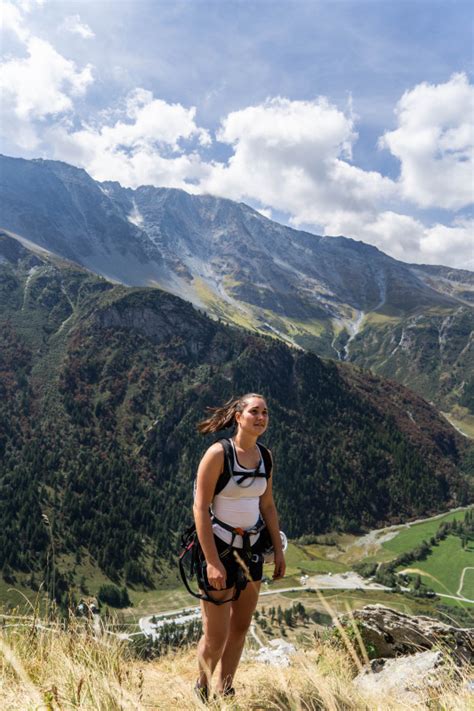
[
  {"x": 161, "y": 318},
  {"x": 407, "y": 678},
  {"x": 277, "y": 653},
  {"x": 392, "y": 633}
]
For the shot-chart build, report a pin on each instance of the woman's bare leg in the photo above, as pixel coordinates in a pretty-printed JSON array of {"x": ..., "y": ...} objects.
[
  {"x": 239, "y": 623},
  {"x": 215, "y": 624}
]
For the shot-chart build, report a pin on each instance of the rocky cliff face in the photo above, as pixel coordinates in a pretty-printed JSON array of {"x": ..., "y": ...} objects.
[
  {"x": 335, "y": 296},
  {"x": 392, "y": 633}
]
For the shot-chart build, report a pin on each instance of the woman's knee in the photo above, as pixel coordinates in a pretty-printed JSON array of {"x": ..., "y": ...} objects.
[
  {"x": 213, "y": 642},
  {"x": 240, "y": 625}
]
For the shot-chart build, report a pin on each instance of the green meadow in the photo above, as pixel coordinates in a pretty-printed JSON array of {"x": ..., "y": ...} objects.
[
  {"x": 443, "y": 568},
  {"x": 410, "y": 537},
  {"x": 310, "y": 560}
]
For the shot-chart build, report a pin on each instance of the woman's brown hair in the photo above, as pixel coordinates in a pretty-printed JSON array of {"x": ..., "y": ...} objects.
[{"x": 224, "y": 416}]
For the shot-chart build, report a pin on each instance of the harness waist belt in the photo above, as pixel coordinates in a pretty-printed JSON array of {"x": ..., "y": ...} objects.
[{"x": 236, "y": 531}]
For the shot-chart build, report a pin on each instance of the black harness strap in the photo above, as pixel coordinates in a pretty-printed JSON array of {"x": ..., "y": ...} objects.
[
  {"x": 192, "y": 547},
  {"x": 259, "y": 526},
  {"x": 228, "y": 470},
  {"x": 206, "y": 597}
]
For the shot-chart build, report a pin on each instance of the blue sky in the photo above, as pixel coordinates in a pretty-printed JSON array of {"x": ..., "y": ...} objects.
[{"x": 338, "y": 117}]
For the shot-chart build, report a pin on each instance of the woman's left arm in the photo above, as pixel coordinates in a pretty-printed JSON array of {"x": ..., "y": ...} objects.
[{"x": 270, "y": 516}]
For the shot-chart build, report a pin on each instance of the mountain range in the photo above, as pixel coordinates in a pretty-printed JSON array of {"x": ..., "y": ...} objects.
[
  {"x": 102, "y": 386},
  {"x": 334, "y": 296}
]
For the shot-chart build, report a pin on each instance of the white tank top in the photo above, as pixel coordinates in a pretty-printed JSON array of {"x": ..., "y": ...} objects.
[{"x": 238, "y": 505}]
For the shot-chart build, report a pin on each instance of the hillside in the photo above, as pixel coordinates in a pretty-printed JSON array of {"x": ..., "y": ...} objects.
[
  {"x": 101, "y": 390},
  {"x": 335, "y": 296},
  {"x": 69, "y": 667}
]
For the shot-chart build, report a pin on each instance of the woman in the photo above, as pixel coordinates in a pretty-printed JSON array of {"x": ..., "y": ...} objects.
[{"x": 245, "y": 498}]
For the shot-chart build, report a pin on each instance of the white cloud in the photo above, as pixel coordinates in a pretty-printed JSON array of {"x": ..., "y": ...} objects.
[
  {"x": 453, "y": 245},
  {"x": 434, "y": 142},
  {"x": 266, "y": 212},
  {"x": 146, "y": 148},
  {"x": 291, "y": 156},
  {"x": 12, "y": 16},
  {"x": 38, "y": 86},
  {"x": 11, "y": 20},
  {"x": 74, "y": 24},
  {"x": 42, "y": 83},
  {"x": 295, "y": 157},
  {"x": 408, "y": 239},
  {"x": 29, "y": 5}
]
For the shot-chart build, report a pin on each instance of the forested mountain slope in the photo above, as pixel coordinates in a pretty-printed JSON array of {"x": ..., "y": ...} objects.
[
  {"x": 335, "y": 296},
  {"x": 102, "y": 387}
]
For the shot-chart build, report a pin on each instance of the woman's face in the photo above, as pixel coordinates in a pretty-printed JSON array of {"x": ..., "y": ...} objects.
[{"x": 254, "y": 417}]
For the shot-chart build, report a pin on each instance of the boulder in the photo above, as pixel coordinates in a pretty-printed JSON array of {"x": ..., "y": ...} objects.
[
  {"x": 392, "y": 633},
  {"x": 406, "y": 679}
]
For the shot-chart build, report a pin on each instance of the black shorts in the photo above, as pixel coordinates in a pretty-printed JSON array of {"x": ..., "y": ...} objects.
[{"x": 234, "y": 570}]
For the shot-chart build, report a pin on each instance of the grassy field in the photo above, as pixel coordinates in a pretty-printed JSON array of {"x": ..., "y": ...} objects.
[
  {"x": 467, "y": 589},
  {"x": 462, "y": 420},
  {"x": 376, "y": 319},
  {"x": 446, "y": 561},
  {"x": 442, "y": 569},
  {"x": 311, "y": 559},
  {"x": 15, "y": 596},
  {"x": 339, "y": 601},
  {"x": 410, "y": 537},
  {"x": 66, "y": 668}
]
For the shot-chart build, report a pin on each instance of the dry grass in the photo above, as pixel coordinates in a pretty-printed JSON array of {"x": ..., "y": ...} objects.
[{"x": 48, "y": 668}]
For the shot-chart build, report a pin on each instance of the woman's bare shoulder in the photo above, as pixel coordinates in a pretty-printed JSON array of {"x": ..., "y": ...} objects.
[
  {"x": 216, "y": 448},
  {"x": 214, "y": 453},
  {"x": 211, "y": 464}
]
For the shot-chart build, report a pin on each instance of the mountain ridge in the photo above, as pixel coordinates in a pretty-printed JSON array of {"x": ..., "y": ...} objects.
[{"x": 335, "y": 296}]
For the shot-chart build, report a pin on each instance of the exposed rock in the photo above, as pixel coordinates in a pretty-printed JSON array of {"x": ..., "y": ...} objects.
[
  {"x": 392, "y": 633},
  {"x": 277, "y": 653},
  {"x": 405, "y": 678}
]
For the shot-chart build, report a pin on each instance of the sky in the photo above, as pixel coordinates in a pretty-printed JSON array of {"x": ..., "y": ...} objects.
[{"x": 350, "y": 117}]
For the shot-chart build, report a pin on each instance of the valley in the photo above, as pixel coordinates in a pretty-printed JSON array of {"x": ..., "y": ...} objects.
[
  {"x": 329, "y": 567},
  {"x": 103, "y": 382}
]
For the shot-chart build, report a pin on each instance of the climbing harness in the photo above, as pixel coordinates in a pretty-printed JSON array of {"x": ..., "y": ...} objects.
[{"x": 191, "y": 558}]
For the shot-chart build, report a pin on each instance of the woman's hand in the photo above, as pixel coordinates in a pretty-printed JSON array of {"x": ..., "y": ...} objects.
[
  {"x": 216, "y": 575},
  {"x": 279, "y": 565}
]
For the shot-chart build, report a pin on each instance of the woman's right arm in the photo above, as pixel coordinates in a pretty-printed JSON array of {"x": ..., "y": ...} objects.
[{"x": 209, "y": 470}]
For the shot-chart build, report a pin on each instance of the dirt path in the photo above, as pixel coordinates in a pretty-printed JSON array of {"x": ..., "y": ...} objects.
[
  {"x": 461, "y": 582},
  {"x": 447, "y": 417}
]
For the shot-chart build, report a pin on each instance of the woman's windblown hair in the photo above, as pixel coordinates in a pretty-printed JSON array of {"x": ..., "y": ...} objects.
[{"x": 224, "y": 417}]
